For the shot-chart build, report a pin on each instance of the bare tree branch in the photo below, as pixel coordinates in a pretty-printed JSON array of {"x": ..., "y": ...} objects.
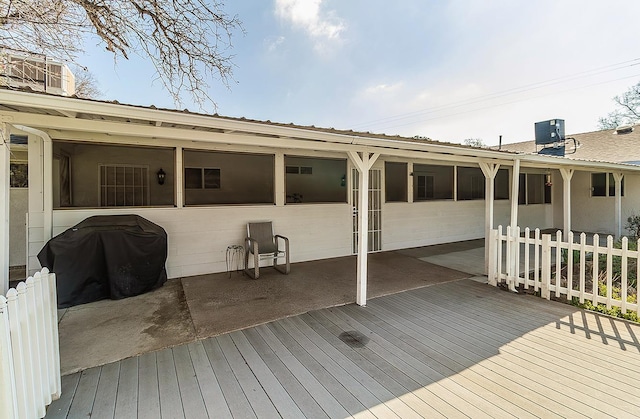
[
  {"x": 188, "y": 41},
  {"x": 627, "y": 112}
]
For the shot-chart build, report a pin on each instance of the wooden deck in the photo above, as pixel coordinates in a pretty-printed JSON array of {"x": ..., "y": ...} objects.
[{"x": 459, "y": 349}]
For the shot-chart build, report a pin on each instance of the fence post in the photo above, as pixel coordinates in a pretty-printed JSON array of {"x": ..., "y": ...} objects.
[
  {"x": 493, "y": 244},
  {"x": 546, "y": 266},
  {"x": 623, "y": 273},
  {"x": 56, "y": 389},
  {"x": 558, "y": 262},
  {"x": 595, "y": 275},
  {"x": 8, "y": 399},
  {"x": 609, "y": 270},
  {"x": 499, "y": 256},
  {"x": 536, "y": 260},
  {"x": 583, "y": 257},
  {"x": 569, "y": 265}
]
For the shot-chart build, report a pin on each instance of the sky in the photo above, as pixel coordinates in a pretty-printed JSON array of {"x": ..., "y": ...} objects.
[{"x": 446, "y": 70}]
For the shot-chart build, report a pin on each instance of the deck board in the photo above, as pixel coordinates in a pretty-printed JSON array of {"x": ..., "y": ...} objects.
[
  {"x": 104, "y": 405},
  {"x": 148, "y": 391},
  {"x": 127, "y": 398},
  {"x": 458, "y": 349}
]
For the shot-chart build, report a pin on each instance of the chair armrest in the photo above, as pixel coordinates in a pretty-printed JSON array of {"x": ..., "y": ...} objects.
[
  {"x": 286, "y": 242},
  {"x": 252, "y": 245}
]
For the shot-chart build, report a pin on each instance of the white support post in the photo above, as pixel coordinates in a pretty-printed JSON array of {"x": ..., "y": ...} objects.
[
  {"x": 363, "y": 162},
  {"x": 618, "y": 177},
  {"x": 280, "y": 186},
  {"x": 567, "y": 174},
  {"x": 179, "y": 171},
  {"x": 4, "y": 208},
  {"x": 515, "y": 184},
  {"x": 410, "y": 182},
  {"x": 513, "y": 243},
  {"x": 489, "y": 170},
  {"x": 47, "y": 179}
]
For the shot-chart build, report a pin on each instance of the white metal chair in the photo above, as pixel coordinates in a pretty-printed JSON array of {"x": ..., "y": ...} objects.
[{"x": 263, "y": 244}]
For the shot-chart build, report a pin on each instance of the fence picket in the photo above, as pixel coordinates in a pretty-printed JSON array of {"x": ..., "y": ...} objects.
[
  {"x": 558, "y": 262},
  {"x": 569, "y": 265},
  {"x": 8, "y": 399},
  {"x": 546, "y": 266},
  {"x": 548, "y": 280},
  {"x": 596, "y": 268},
  {"x": 609, "y": 270},
  {"x": 29, "y": 351},
  {"x": 623, "y": 273},
  {"x": 536, "y": 260}
]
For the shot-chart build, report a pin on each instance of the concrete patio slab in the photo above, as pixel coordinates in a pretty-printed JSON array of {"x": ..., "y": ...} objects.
[
  {"x": 219, "y": 304},
  {"x": 109, "y": 330},
  {"x": 192, "y": 308}
]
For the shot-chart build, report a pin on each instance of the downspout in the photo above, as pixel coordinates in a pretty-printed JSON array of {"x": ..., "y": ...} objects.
[{"x": 47, "y": 181}]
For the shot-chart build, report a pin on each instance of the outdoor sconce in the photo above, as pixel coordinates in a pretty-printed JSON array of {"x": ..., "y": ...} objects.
[
  {"x": 547, "y": 179},
  {"x": 161, "y": 176},
  {"x": 343, "y": 180}
]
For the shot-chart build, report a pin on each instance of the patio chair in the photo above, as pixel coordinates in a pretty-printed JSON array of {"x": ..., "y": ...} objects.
[{"x": 263, "y": 244}]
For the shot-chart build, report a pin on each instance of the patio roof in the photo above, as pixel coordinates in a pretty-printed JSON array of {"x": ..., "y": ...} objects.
[{"x": 106, "y": 120}]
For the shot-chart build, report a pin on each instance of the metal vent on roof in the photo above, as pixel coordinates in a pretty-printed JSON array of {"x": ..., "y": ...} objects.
[{"x": 624, "y": 129}]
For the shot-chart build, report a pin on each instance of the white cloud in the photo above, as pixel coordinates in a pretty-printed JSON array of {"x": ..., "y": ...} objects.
[
  {"x": 273, "y": 43},
  {"x": 383, "y": 88},
  {"x": 308, "y": 16}
]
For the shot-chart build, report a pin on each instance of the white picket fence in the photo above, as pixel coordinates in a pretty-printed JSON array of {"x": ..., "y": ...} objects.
[
  {"x": 29, "y": 351},
  {"x": 536, "y": 261}
]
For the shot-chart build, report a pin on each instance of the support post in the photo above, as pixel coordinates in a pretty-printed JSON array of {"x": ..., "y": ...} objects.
[
  {"x": 47, "y": 179},
  {"x": 280, "y": 186},
  {"x": 179, "y": 171},
  {"x": 4, "y": 208},
  {"x": 513, "y": 242},
  {"x": 567, "y": 174},
  {"x": 363, "y": 162},
  {"x": 515, "y": 185},
  {"x": 490, "y": 170},
  {"x": 618, "y": 177}
]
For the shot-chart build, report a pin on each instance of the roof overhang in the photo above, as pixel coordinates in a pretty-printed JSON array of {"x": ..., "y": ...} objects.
[{"x": 65, "y": 115}]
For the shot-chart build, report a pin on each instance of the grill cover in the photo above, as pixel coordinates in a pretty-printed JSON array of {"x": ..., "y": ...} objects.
[{"x": 106, "y": 256}]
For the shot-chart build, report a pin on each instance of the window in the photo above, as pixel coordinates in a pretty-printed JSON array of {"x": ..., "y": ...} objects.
[
  {"x": 97, "y": 175},
  {"x": 248, "y": 178},
  {"x": 533, "y": 189},
  {"x": 18, "y": 175},
  {"x": 54, "y": 75},
  {"x": 395, "y": 175},
  {"x": 201, "y": 178},
  {"x": 432, "y": 182},
  {"x": 316, "y": 180},
  {"x": 124, "y": 186},
  {"x": 425, "y": 187},
  {"x": 604, "y": 184},
  {"x": 470, "y": 183},
  {"x": 501, "y": 185}
]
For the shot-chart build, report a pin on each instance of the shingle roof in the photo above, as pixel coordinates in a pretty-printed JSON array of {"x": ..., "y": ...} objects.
[{"x": 605, "y": 145}]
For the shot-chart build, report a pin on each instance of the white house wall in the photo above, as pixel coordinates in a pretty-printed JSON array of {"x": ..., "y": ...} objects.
[
  {"x": 198, "y": 237},
  {"x": 597, "y": 213}
]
